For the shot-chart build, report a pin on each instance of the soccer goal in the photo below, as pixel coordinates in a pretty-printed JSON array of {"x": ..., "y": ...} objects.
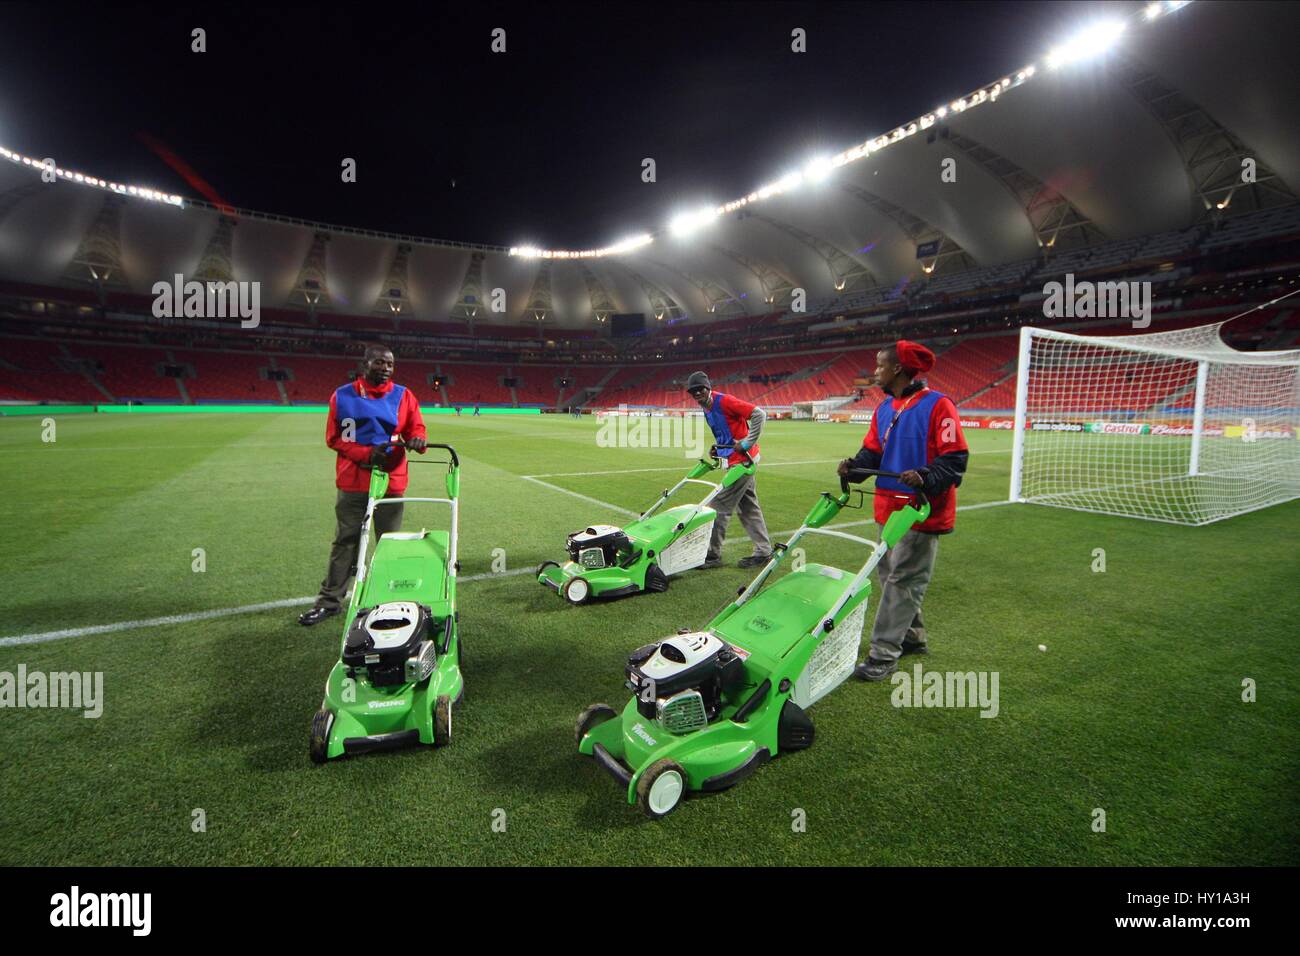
[{"x": 1170, "y": 426}]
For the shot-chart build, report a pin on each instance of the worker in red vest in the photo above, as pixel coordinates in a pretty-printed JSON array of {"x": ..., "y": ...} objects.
[
  {"x": 365, "y": 417},
  {"x": 916, "y": 433},
  {"x": 736, "y": 425}
]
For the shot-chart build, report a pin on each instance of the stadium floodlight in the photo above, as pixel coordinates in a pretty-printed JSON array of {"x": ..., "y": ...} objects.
[
  {"x": 1092, "y": 42},
  {"x": 686, "y": 223},
  {"x": 1169, "y": 426},
  {"x": 789, "y": 181},
  {"x": 818, "y": 169},
  {"x": 1087, "y": 44},
  {"x": 627, "y": 245},
  {"x": 618, "y": 248},
  {"x": 81, "y": 178}
]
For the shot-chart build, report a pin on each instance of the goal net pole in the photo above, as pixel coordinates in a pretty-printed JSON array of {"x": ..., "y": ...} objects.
[
  {"x": 1022, "y": 397},
  {"x": 1198, "y": 419}
]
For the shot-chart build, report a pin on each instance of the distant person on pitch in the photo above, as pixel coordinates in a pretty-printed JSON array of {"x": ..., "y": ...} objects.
[
  {"x": 735, "y": 424},
  {"x": 916, "y": 433},
  {"x": 365, "y": 416}
]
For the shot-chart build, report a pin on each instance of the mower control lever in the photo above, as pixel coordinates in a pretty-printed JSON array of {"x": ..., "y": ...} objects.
[{"x": 856, "y": 475}]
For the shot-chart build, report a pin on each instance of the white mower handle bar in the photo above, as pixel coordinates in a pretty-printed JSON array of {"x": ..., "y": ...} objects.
[
  {"x": 878, "y": 549},
  {"x": 841, "y": 534},
  {"x": 673, "y": 490},
  {"x": 453, "y": 537}
]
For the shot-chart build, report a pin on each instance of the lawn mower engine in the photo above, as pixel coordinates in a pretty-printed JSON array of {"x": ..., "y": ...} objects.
[
  {"x": 600, "y": 546},
  {"x": 679, "y": 681},
  {"x": 392, "y": 642}
]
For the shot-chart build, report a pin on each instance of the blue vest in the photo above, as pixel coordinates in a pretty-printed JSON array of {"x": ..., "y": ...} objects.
[
  {"x": 718, "y": 423},
  {"x": 907, "y": 448},
  {"x": 376, "y": 418}
]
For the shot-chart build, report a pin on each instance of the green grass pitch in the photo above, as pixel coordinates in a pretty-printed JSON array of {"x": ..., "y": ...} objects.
[{"x": 1135, "y": 707}]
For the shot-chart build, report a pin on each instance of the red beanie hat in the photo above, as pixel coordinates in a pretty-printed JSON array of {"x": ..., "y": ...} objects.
[{"x": 915, "y": 358}]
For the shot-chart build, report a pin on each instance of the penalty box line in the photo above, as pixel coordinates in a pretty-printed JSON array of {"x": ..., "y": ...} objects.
[{"x": 44, "y": 636}]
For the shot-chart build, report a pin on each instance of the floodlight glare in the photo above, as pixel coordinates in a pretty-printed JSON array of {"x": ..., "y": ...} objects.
[
  {"x": 818, "y": 169},
  {"x": 1087, "y": 44},
  {"x": 789, "y": 181},
  {"x": 628, "y": 244},
  {"x": 688, "y": 222}
]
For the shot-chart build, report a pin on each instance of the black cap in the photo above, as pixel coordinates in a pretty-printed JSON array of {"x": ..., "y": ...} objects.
[{"x": 698, "y": 380}]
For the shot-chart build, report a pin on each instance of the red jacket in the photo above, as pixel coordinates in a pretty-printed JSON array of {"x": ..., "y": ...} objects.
[
  {"x": 728, "y": 418},
  {"x": 349, "y": 475},
  {"x": 944, "y": 437}
]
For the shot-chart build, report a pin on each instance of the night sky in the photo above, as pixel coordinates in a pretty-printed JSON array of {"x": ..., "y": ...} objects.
[{"x": 544, "y": 143}]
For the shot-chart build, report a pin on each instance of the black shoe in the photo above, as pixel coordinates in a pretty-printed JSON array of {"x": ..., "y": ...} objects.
[
  {"x": 913, "y": 648},
  {"x": 316, "y": 615},
  {"x": 754, "y": 560},
  {"x": 710, "y": 563},
  {"x": 874, "y": 670}
]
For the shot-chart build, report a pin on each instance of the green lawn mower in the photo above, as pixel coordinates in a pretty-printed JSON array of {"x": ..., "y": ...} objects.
[
  {"x": 398, "y": 675},
  {"x": 610, "y": 562},
  {"x": 710, "y": 707}
]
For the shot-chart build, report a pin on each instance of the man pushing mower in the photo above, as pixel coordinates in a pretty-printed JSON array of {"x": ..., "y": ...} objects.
[
  {"x": 735, "y": 424},
  {"x": 364, "y": 416},
  {"x": 916, "y": 433}
]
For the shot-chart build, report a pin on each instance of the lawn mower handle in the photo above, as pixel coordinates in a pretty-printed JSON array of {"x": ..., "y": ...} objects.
[
  {"x": 862, "y": 474},
  {"x": 451, "y": 451},
  {"x": 735, "y": 449}
]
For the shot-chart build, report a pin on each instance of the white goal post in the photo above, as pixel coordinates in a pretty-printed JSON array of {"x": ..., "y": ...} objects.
[{"x": 1169, "y": 426}]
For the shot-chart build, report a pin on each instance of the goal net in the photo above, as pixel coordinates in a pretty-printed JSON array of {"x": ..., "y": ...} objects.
[{"x": 1171, "y": 426}]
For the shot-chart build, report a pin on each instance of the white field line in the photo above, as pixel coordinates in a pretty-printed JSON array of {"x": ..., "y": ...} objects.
[
  {"x": 574, "y": 494},
  {"x": 773, "y": 464},
  {"x": 636, "y": 471},
  {"x": 43, "y": 636},
  {"x": 42, "y": 449}
]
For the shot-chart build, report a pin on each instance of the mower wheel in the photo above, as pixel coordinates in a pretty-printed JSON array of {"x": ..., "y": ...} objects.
[
  {"x": 661, "y": 788},
  {"x": 593, "y": 716},
  {"x": 442, "y": 722},
  {"x": 320, "y": 735},
  {"x": 577, "y": 591}
]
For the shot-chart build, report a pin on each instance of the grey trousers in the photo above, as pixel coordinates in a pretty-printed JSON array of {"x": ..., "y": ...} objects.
[
  {"x": 349, "y": 512},
  {"x": 743, "y": 498},
  {"x": 904, "y": 571}
]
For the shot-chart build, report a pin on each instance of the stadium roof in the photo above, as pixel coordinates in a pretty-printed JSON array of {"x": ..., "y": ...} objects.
[{"x": 1147, "y": 137}]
